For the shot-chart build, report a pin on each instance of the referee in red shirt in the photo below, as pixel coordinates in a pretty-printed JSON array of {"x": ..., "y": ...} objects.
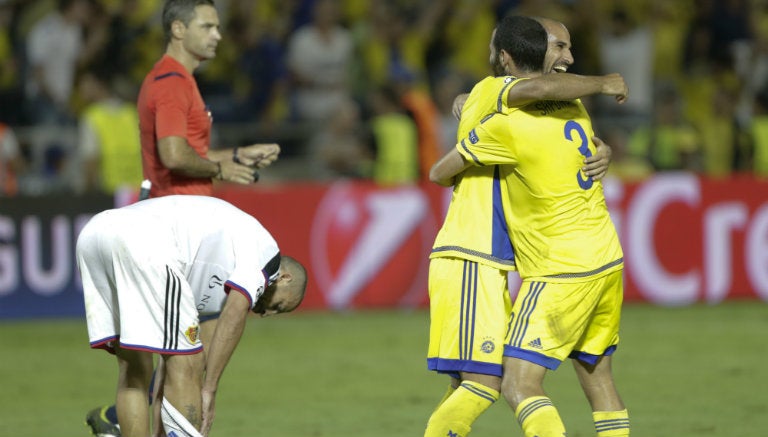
[{"x": 174, "y": 122}]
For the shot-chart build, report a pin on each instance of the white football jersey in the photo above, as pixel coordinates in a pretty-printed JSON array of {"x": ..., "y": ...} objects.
[{"x": 218, "y": 246}]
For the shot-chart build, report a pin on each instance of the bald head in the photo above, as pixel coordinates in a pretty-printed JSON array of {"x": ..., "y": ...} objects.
[
  {"x": 287, "y": 292},
  {"x": 558, "y": 57},
  {"x": 297, "y": 285}
]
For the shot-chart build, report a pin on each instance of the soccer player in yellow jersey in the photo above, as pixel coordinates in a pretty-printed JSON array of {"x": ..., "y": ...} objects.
[
  {"x": 469, "y": 300},
  {"x": 566, "y": 248}
]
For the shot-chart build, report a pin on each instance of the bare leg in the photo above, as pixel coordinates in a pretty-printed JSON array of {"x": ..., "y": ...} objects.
[
  {"x": 135, "y": 372},
  {"x": 597, "y": 383},
  {"x": 522, "y": 380},
  {"x": 522, "y": 386},
  {"x": 489, "y": 381},
  {"x": 183, "y": 384}
]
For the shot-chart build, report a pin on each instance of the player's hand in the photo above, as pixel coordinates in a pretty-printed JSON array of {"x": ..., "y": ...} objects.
[
  {"x": 597, "y": 165},
  {"x": 458, "y": 104},
  {"x": 209, "y": 411},
  {"x": 258, "y": 155},
  {"x": 237, "y": 173},
  {"x": 614, "y": 85}
]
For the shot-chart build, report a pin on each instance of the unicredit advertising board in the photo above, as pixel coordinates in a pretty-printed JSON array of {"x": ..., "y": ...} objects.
[{"x": 686, "y": 239}]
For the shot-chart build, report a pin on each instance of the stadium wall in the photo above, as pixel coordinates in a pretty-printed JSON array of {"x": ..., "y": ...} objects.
[{"x": 686, "y": 239}]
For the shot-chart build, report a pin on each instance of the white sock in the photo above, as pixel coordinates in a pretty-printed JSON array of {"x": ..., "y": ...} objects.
[{"x": 175, "y": 424}]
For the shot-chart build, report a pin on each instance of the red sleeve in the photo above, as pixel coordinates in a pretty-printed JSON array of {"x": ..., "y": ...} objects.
[{"x": 173, "y": 102}]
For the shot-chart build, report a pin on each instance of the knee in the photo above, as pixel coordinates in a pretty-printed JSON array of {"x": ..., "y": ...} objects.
[
  {"x": 516, "y": 389},
  {"x": 510, "y": 391},
  {"x": 184, "y": 369}
]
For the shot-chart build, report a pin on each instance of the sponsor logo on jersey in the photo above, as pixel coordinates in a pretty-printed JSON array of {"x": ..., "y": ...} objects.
[
  {"x": 215, "y": 281},
  {"x": 535, "y": 343}
]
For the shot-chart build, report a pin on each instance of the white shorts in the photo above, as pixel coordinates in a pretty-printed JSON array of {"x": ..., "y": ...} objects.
[{"x": 133, "y": 286}]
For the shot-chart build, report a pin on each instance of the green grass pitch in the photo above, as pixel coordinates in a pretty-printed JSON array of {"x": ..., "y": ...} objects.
[{"x": 683, "y": 372}]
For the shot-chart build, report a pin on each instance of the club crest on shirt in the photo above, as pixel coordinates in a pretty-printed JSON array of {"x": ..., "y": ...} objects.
[
  {"x": 488, "y": 346},
  {"x": 192, "y": 333}
]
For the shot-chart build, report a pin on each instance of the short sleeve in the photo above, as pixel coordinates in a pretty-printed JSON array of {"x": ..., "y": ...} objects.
[
  {"x": 173, "y": 102},
  {"x": 254, "y": 269},
  {"x": 489, "y": 143}
]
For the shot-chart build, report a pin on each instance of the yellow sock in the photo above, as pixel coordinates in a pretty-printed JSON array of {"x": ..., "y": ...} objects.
[
  {"x": 611, "y": 423},
  {"x": 456, "y": 414},
  {"x": 539, "y": 418},
  {"x": 447, "y": 394}
]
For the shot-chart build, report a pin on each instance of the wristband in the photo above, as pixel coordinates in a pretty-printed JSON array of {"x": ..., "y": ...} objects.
[{"x": 234, "y": 156}]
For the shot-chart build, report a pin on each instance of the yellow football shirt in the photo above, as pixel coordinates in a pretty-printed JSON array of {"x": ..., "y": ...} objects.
[
  {"x": 475, "y": 226},
  {"x": 559, "y": 221}
]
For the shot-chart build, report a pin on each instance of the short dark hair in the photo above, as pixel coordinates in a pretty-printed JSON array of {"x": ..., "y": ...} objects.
[
  {"x": 524, "y": 39},
  {"x": 182, "y": 10}
]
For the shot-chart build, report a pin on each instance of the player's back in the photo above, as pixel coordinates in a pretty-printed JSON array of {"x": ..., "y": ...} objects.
[
  {"x": 214, "y": 241},
  {"x": 559, "y": 221},
  {"x": 194, "y": 220},
  {"x": 475, "y": 227}
]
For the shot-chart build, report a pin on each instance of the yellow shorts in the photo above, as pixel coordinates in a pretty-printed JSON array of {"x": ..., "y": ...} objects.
[
  {"x": 551, "y": 321},
  {"x": 469, "y": 309}
]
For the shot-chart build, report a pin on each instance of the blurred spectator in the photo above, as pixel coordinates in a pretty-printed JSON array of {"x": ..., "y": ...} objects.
[
  {"x": 448, "y": 85},
  {"x": 128, "y": 33},
  {"x": 395, "y": 41},
  {"x": 758, "y": 135},
  {"x": 396, "y": 139},
  {"x": 258, "y": 89},
  {"x": 467, "y": 29},
  {"x": 714, "y": 52},
  {"x": 419, "y": 105},
  {"x": 669, "y": 142},
  {"x": 320, "y": 60},
  {"x": 340, "y": 149},
  {"x": 108, "y": 145},
  {"x": 668, "y": 37},
  {"x": 697, "y": 89},
  {"x": 11, "y": 92},
  {"x": 626, "y": 47},
  {"x": 12, "y": 162},
  {"x": 731, "y": 31},
  {"x": 720, "y": 136},
  {"x": 625, "y": 165},
  {"x": 55, "y": 49}
]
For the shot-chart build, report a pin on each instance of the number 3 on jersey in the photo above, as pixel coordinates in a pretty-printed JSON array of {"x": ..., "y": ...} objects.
[{"x": 571, "y": 126}]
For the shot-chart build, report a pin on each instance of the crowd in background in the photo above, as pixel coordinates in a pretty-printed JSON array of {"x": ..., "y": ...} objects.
[{"x": 364, "y": 88}]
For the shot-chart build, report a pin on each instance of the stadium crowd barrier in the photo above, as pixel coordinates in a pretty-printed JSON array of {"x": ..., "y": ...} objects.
[{"x": 686, "y": 240}]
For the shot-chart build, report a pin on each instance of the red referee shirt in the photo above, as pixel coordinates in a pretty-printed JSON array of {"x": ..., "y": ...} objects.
[{"x": 170, "y": 105}]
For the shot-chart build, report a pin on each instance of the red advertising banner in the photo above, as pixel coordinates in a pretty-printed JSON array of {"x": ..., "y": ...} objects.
[
  {"x": 363, "y": 245},
  {"x": 685, "y": 239}
]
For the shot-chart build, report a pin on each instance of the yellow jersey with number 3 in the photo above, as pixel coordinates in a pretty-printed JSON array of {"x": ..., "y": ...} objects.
[
  {"x": 559, "y": 221},
  {"x": 475, "y": 226}
]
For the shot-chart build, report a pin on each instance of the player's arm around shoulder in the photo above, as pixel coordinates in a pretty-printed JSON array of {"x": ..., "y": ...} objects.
[
  {"x": 444, "y": 171},
  {"x": 229, "y": 330},
  {"x": 566, "y": 86}
]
